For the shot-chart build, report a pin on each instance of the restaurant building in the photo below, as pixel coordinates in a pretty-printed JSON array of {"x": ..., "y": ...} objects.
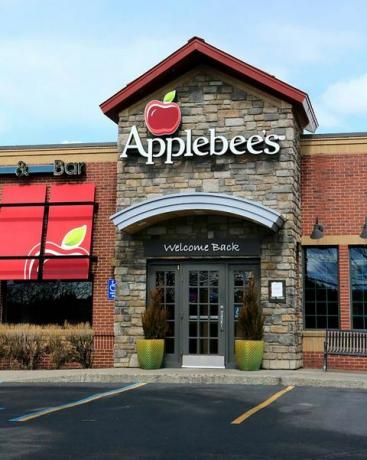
[{"x": 212, "y": 181}]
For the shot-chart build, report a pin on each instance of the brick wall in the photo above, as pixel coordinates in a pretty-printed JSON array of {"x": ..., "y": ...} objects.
[
  {"x": 344, "y": 295},
  {"x": 334, "y": 189},
  {"x": 314, "y": 360},
  {"x": 103, "y": 174}
]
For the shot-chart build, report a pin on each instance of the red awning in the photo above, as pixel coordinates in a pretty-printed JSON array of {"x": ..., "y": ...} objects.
[
  {"x": 69, "y": 232},
  {"x": 26, "y": 253},
  {"x": 21, "y": 230}
]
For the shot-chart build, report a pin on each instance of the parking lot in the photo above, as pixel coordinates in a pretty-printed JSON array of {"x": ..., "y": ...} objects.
[{"x": 46, "y": 421}]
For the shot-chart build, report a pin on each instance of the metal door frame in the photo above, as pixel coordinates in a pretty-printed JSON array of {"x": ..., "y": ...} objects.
[
  {"x": 180, "y": 267},
  {"x": 174, "y": 359},
  {"x": 206, "y": 360}
]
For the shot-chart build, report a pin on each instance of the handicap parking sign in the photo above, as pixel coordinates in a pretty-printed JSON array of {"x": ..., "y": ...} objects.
[{"x": 111, "y": 290}]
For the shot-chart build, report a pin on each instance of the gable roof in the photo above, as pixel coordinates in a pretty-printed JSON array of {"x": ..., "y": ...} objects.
[{"x": 196, "y": 51}]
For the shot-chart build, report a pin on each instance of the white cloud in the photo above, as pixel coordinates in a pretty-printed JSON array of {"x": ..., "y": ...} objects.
[
  {"x": 327, "y": 119},
  {"x": 341, "y": 101},
  {"x": 71, "y": 142},
  {"x": 347, "y": 97}
]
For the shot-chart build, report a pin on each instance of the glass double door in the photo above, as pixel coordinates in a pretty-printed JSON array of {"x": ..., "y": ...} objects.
[{"x": 203, "y": 301}]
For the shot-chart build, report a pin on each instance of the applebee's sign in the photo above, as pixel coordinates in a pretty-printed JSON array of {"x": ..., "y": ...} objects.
[{"x": 164, "y": 118}]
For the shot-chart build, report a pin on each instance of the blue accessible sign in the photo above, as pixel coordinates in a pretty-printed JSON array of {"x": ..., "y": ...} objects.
[{"x": 111, "y": 289}]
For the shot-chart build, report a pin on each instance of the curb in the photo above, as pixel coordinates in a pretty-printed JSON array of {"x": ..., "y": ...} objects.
[
  {"x": 326, "y": 381},
  {"x": 351, "y": 383},
  {"x": 152, "y": 378}
]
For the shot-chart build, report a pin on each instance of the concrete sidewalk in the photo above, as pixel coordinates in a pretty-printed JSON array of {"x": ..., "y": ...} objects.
[{"x": 301, "y": 377}]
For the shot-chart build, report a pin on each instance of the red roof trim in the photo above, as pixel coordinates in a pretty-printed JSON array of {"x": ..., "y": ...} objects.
[{"x": 196, "y": 46}]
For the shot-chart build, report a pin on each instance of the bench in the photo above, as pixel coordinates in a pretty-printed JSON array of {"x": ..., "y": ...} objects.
[{"x": 351, "y": 343}]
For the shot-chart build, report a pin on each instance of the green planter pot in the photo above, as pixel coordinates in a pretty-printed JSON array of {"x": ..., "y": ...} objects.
[
  {"x": 249, "y": 354},
  {"x": 150, "y": 353}
]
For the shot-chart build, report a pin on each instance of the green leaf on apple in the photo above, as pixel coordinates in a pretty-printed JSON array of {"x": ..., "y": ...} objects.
[
  {"x": 170, "y": 97},
  {"x": 74, "y": 238}
]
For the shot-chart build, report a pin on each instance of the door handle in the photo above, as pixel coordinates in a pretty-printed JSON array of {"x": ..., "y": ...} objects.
[{"x": 221, "y": 318}]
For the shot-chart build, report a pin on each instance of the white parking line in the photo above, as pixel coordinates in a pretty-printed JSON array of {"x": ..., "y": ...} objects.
[{"x": 95, "y": 397}]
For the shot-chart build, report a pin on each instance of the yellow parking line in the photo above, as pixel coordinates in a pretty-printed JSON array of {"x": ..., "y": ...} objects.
[
  {"x": 50, "y": 410},
  {"x": 260, "y": 406}
]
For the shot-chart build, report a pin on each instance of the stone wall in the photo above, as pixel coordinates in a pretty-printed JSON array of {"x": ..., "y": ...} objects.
[{"x": 209, "y": 99}]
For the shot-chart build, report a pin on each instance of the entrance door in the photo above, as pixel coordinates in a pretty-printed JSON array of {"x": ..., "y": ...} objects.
[
  {"x": 203, "y": 326},
  {"x": 203, "y": 301}
]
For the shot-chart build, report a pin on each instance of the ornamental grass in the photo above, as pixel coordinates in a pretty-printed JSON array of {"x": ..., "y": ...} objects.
[
  {"x": 154, "y": 319},
  {"x": 25, "y": 345},
  {"x": 251, "y": 318}
]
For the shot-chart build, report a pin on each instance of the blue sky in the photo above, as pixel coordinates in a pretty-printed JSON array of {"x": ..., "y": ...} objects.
[{"x": 60, "y": 60}]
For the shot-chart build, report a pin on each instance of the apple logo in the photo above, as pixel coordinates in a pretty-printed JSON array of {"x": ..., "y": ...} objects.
[
  {"x": 163, "y": 118},
  {"x": 59, "y": 268}
]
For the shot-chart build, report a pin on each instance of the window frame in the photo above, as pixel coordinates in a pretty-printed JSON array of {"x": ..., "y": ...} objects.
[
  {"x": 351, "y": 246},
  {"x": 304, "y": 249}
]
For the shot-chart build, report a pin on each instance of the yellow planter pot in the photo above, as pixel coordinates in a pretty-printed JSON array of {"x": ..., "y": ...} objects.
[
  {"x": 249, "y": 354},
  {"x": 150, "y": 353}
]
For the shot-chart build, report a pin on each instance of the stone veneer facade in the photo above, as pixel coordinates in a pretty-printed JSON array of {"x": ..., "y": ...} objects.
[{"x": 210, "y": 99}]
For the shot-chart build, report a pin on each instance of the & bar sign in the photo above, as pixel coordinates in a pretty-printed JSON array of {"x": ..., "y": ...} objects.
[{"x": 58, "y": 168}]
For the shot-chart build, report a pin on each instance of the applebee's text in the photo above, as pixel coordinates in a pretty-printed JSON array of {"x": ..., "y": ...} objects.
[{"x": 175, "y": 147}]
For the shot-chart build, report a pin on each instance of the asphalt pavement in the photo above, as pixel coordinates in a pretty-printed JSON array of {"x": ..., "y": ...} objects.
[{"x": 175, "y": 421}]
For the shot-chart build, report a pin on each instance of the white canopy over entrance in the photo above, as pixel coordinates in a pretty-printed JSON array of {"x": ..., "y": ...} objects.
[{"x": 146, "y": 213}]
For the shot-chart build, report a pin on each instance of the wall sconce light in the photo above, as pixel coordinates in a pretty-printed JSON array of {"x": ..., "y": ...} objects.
[
  {"x": 318, "y": 231},
  {"x": 364, "y": 230}
]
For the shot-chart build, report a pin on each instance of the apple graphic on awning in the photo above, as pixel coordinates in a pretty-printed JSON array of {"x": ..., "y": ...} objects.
[
  {"x": 59, "y": 268},
  {"x": 163, "y": 118}
]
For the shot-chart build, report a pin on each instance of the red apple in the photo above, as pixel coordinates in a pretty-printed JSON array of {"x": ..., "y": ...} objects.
[
  {"x": 65, "y": 268},
  {"x": 163, "y": 118},
  {"x": 57, "y": 268}
]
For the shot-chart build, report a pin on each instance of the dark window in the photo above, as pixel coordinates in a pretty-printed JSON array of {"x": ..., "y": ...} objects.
[
  {"x": 51, "y": 302},
  {"x": 358, "y": 275},
  {"x": 321, "y": 300}
]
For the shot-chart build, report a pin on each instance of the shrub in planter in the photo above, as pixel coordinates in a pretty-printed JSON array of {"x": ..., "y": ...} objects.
[
  {"x": 150, "y": 350},
  {"x": 250, "y": 349}
]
